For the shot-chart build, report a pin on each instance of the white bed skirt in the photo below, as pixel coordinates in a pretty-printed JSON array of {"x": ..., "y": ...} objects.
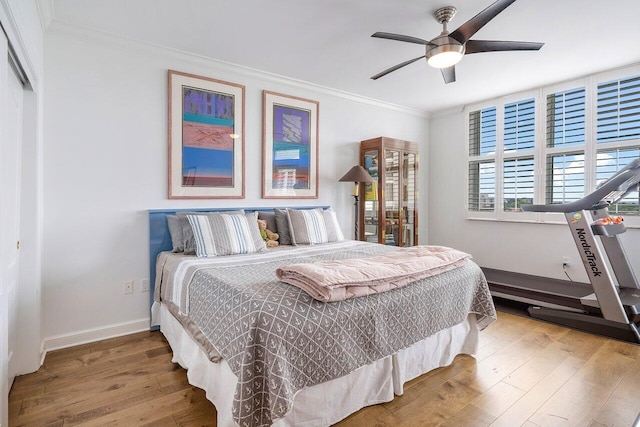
[{"x": 327, "y": 403}]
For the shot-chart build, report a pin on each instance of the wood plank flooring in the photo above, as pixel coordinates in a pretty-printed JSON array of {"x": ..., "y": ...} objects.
[{"x": 526, "y": 373}]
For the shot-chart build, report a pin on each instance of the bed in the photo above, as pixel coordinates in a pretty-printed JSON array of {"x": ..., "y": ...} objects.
[{"x": 266, "y": 353}]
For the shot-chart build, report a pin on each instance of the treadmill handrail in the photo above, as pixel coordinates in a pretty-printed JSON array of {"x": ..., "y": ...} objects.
[{"x": 632, "y": 170}]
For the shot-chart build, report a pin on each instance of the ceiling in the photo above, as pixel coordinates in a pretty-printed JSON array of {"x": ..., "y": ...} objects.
[{"x": 328, "y": 43}]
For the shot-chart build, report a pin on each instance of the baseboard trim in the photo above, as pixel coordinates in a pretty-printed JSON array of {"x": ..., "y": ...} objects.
[
  {"x": 43, "y": 353},
  {"x": 92, "y": 335}
]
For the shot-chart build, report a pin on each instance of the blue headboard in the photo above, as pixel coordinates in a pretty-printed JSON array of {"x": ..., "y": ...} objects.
[{"x": 160, "y": 239}]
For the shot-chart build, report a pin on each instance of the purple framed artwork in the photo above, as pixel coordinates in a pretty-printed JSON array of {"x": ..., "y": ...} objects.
[
  {"x": 206, "y": 138},
  {"x": 289, "y": 147}
]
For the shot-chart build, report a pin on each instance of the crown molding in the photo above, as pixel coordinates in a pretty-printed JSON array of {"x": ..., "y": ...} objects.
[
  {"x": 448, "y": 112},
  {"x": 57, "y": 27},
  {"x": 47, "y": 13}
]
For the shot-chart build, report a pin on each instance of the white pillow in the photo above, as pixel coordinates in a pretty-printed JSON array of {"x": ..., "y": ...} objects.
[{"x": 226, "y": 234}]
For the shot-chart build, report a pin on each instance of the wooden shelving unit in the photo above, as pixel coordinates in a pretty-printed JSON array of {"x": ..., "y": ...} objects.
[{"x": 389, "y": 205}]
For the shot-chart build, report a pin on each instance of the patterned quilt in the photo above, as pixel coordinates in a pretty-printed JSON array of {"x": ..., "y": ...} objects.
[{"x": 278, "y": 340}]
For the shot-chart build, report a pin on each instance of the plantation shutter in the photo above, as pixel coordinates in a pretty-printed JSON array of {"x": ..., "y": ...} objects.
[
  {"x": 608, "y": 162},
  {"x": 482, "y": 183},
  {"x": 566, "y": 128},
  {"x": 482, "y": 132},
  {"x": 565, "y": 178},
  {"x": 566, "y": 118},
  {"x": 482, "y": 143},
  {"x": 519, "y": 125},
  {"x": 518, "y": 181},
  {"x": 618, "y": 110}
]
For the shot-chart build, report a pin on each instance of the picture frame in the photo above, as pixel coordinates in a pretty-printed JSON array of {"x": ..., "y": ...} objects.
[
  {"x": 289, "y": 147},
  {"x": 206, "y": 138}
]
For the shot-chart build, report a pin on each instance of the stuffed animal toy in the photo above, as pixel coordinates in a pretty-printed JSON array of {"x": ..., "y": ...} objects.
[{"x": 268, "y": 236}]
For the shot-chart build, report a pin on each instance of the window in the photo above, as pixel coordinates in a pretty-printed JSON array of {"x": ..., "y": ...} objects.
[
  {"x": 519, "y": 125},
  {"x": 517, "y": 183},
  {"x": 518, "y": 164},
  {"x": 619, "y": 110},
  {"x": 482, "y": 127},
  {"x": 565, "y": 178},
  {"x": 482, "y": 178},
  {"x": 565, "y": 136},
  {"x": 618, "y": 120},
  {"x": 608, "y": 163},
  {"x": 565, "y": 118},
  {"x": 584, "y": 133}
]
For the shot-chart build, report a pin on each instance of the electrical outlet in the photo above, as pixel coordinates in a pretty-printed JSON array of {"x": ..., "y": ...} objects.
[
  {"x": 144, "y": 285},
  {"x": 566, "y": 261},
  {"x": 128, "y": 287}
]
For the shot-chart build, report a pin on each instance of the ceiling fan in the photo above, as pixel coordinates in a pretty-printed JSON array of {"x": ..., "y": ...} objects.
[{"x": 447, "y": 49}]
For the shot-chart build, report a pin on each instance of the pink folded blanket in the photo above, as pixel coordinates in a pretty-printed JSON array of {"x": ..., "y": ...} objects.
[{"x": 349, "y": 278}]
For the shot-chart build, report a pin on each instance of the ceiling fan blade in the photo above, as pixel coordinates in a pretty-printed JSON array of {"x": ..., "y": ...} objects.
[
  {"x": 396, "y": 67},
  {"x": 449, "y": 74},
  {"x": 478, "y": 46},
  {"x": 469, "y": 28},
  {"x": 401, "y": 38}
]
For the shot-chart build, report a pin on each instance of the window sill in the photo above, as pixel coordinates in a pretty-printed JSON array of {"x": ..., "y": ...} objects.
[{"x": 632, "y": 223}]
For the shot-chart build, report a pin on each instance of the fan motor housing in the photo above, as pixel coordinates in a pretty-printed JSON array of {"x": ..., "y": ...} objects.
[{"x": 447, "y": 49}]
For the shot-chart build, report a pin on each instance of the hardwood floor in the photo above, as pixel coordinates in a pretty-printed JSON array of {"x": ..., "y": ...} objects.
[{"x": 526, "y": 373}]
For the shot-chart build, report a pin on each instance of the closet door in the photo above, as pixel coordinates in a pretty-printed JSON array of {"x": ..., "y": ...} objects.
[
  {"x": 11, "y": 215},
  {"x": 4, "y": 299},
  {"x": 11, "y": 103}
]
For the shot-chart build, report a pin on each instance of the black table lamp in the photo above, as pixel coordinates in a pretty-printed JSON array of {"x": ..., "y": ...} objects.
[{"x": 357, "y": 174}]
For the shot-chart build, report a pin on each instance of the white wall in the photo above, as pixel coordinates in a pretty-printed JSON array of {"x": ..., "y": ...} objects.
[
  {"x": 105, "y": 164},
  {"x": 521, "y": 247}
]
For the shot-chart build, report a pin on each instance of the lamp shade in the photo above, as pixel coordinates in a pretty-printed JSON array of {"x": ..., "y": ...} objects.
[
  {"x": 446, "y": 55},
  {"x": 445, "y": 59},
  {"x": 357, "y": 174}
]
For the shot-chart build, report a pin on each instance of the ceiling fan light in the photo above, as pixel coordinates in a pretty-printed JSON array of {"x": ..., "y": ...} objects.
[{"x": 445, "y": 56}]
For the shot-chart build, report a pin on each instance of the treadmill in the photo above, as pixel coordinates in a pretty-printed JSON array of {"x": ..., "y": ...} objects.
[{"x": 610, "y": 304}]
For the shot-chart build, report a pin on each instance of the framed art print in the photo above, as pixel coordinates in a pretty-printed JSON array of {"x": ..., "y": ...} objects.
[
  {"x": 290, "y": 147},
  {"x": 206, "y": 138}
]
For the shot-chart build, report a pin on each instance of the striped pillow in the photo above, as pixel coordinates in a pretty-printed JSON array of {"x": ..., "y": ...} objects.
[
  {"x": 226, "y": 234},
  {"x": 189, "y": 244},
  {"x": 309, "y": 227}
]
